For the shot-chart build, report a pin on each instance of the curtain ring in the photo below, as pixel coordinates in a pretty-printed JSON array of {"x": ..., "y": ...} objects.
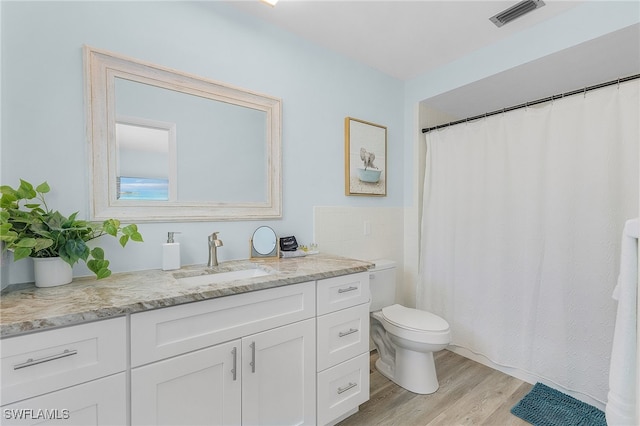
[
  {"x": 618, "y": 84},
  {"x": 585, "y": 92}
]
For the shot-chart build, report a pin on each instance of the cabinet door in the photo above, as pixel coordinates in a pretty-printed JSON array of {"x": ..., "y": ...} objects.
[
  {"x": 279, "y": 380},
  {"x": 198, "y": 388},
  {"x": 99, "y": 402}
]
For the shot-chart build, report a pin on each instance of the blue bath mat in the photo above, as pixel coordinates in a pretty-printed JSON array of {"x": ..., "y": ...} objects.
[{"x": 544, "y": 406}]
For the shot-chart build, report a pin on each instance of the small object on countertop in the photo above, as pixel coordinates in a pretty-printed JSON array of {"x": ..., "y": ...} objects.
[
  {"x": 170, "y": 253},
  {"x": 288, "y": 243},
  {"x": 297, "y": 253}
]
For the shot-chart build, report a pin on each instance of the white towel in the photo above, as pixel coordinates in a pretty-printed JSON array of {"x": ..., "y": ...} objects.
[{"x": 621, "y": 399}]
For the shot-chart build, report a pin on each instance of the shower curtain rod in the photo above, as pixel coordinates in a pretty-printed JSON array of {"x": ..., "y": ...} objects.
[{"x": 539, "y": 101}]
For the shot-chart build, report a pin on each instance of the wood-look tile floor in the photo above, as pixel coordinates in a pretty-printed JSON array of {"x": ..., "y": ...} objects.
[{"x": 470, "y": 394}]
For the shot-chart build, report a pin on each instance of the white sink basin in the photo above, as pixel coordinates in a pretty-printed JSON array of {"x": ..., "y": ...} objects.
[{"x": 220, "y": 277}]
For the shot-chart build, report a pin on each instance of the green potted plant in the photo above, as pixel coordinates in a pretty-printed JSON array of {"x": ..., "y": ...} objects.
[{"x": 30, "y": 229}]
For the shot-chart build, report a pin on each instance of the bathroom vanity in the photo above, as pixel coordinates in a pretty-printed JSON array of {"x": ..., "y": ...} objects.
[{"x": 268, "y": 341}]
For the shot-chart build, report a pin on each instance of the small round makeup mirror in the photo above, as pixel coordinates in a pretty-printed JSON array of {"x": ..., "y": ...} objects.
[{"x": 264, "y": 243}]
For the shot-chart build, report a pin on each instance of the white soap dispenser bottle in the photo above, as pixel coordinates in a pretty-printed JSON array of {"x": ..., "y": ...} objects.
[{"x": 170, "y": 253}]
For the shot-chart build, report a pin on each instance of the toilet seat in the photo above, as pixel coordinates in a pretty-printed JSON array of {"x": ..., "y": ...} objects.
[{"x": 414, "y": 319}]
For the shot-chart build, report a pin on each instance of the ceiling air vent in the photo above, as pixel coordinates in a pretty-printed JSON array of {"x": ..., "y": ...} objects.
[{"x": 516, "y": 11}]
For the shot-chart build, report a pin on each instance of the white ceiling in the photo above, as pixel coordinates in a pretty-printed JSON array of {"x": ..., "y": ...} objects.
[
  {"x": 407, "y": 38},
  {"x": 400, "y": 38}
]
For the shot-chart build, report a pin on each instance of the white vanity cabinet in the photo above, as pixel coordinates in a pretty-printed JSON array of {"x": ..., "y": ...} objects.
[
  {"x": 343, "y": 346},
  {"x": 71, "y": 376},
  {"x": 244, "y": 359},
  {"x": 291, "y": 354}
]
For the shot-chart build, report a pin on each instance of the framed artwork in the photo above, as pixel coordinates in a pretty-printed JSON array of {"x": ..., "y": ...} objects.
[{"x": 365, "y": 158}]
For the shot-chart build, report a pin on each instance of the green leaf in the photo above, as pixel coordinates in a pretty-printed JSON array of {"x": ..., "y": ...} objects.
[
  {"x": 103, "y": 273},
  {"x": 21, "y": 253},
  {"x": 43, "y": 188},
  {"x": 8, "y": 200},
  {"x": 55, "y": 221},
  {"x": 97, "y": 253},
  {"x": 76, "y": 249},
  {"x": 110, "y": 226},
  {"x": 26, "y": 242},
  {"x": 99, "y": 267},
  {"x": 42, "y": 243},
  {"x": 25, "y": 191},
  {"x": 132, "y": 232},
  {"x": 6, "y": 189},
  {"x": 130, "y": 229},
  {"x": 123, "y": 240}
]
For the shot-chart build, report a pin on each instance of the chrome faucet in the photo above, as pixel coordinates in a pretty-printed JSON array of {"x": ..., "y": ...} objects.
[{"x": 214, "y": 243}]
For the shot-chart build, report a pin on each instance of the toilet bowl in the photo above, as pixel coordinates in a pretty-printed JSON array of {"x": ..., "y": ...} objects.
[{"x": 405, "y": 338}]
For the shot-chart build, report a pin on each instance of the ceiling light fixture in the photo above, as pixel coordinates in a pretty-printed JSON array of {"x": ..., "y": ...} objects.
[
  {"x": 516, "y": 11},
  {"x": 270, "y": 2}
]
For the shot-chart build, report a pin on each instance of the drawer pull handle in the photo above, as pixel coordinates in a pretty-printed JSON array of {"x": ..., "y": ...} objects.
[
  {"x": 346, "y": 388},
  {"x": 31, "y": 361},
  {"x": 344, "y": 290},
  {"x": 346, "y": 333},
  {"x": 253, "y": 357},
  {"x": 234, "y": 352}
]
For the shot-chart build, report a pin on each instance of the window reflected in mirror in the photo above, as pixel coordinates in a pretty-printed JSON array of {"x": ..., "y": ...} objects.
[{"x": 146, "y": 159}]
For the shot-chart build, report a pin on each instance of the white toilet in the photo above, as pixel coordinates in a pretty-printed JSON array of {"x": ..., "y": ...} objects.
[{"x": 404, "y": 337}]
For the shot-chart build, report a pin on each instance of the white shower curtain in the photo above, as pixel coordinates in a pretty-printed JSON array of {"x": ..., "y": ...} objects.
[{"x": 522, "y": 218}]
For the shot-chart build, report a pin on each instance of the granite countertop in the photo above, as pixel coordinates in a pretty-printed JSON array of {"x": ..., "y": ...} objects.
[{"x": 29, "y": 308}]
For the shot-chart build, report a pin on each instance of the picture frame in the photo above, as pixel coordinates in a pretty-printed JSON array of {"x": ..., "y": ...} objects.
[{"x": 365, "y": 158}]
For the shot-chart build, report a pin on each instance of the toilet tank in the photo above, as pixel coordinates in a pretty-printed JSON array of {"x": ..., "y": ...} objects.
[{"x": 382, "y": 284}]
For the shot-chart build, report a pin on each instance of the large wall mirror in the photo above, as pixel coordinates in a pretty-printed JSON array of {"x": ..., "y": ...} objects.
[{"x": 171, "y": 146}]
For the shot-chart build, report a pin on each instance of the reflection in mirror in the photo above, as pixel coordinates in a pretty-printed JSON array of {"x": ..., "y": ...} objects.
[
  {"x": 216, "y": 141},
  {"x": 146, "y": 159},
  {"x": 264, "y": 243},
  {"x": 167, "y": 145}
]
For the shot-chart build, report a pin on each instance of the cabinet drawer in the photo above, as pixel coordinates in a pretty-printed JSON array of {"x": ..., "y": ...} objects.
[
  {"x": 99, "y": 402},
  {"x": 342, "y": 292},
  {"x": 42, "y": 362},
  {"x": 342, "y": 335},
  {"x": 343, "y": 388},
  {"x": 167, "y": 332}
]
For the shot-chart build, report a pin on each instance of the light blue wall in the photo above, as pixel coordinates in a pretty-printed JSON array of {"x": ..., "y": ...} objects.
[{"x": 43, "y": 119}]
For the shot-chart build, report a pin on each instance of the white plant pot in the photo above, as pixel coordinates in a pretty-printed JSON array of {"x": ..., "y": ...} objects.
[{"x": 51, "y": 271}]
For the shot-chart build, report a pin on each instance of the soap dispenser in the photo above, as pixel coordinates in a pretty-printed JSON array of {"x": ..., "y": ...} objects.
[{"x": 170, "y": 253}]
